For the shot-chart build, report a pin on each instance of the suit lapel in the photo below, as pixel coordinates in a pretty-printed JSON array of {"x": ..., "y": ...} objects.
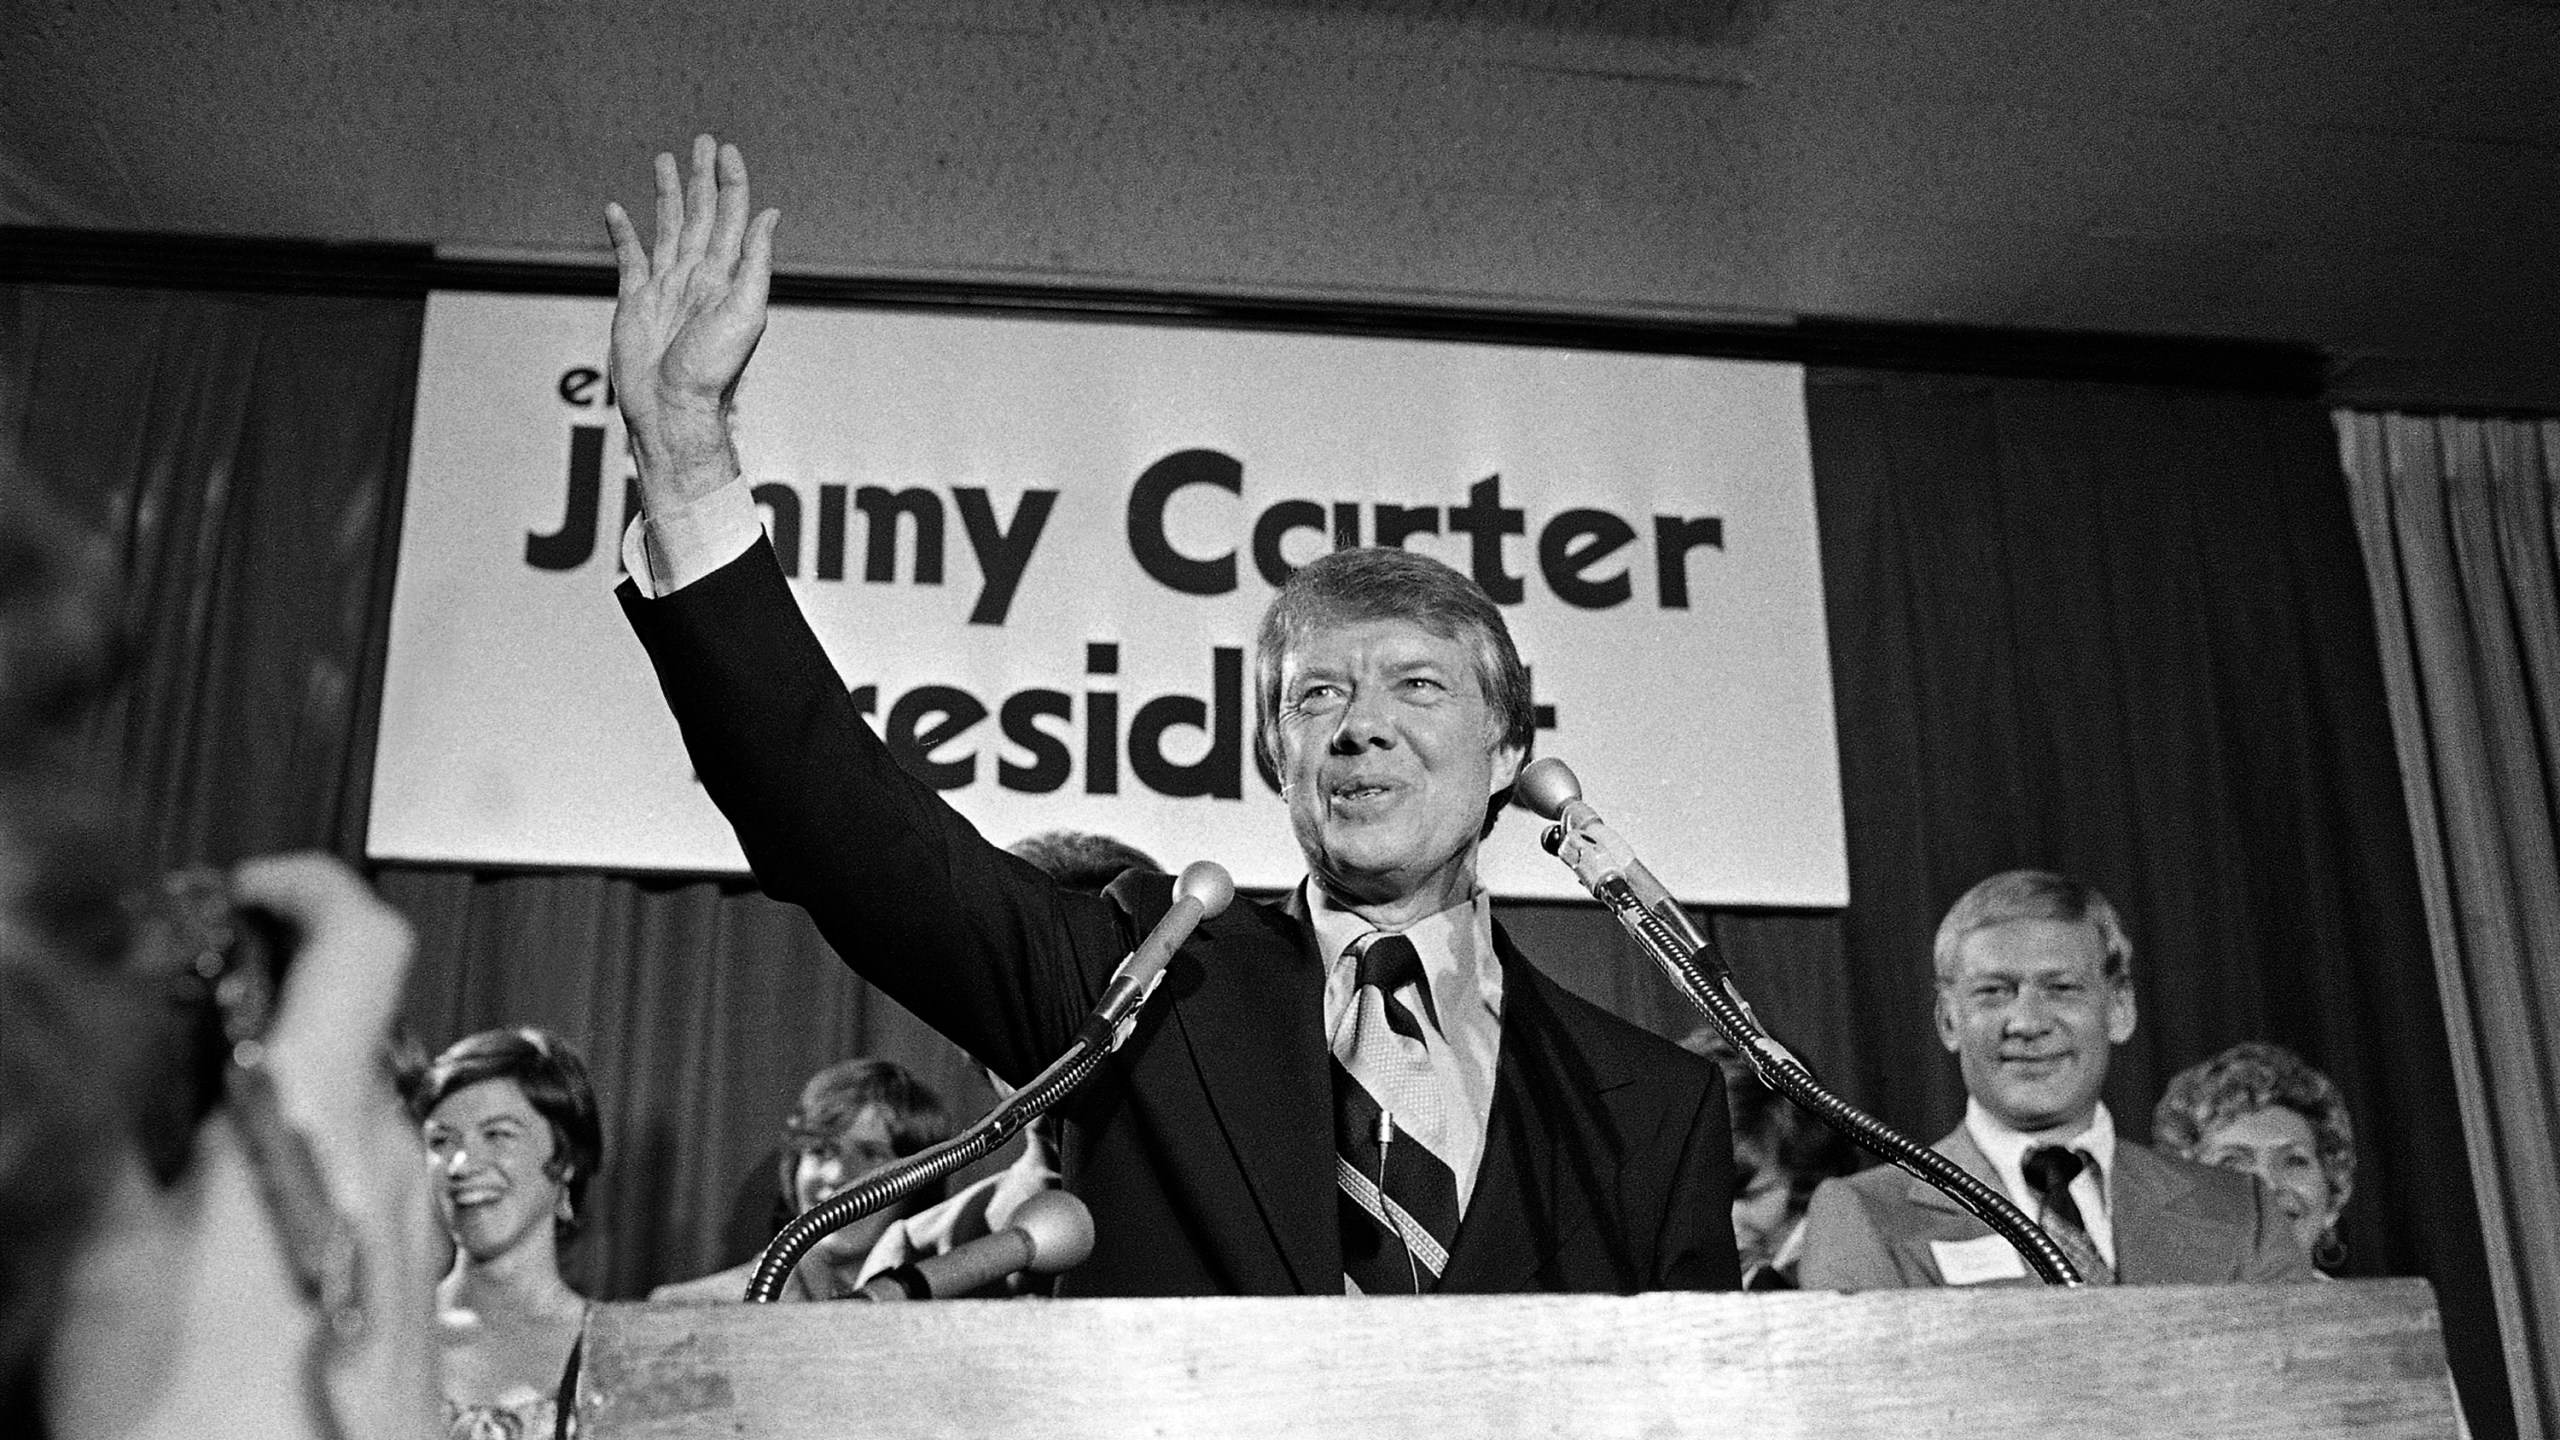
[
  {"x": 1957, "y": 1146},
  {"x": 1255, "y": 1029},
  {"x": 1954, "y": 1221},
  {"x": 1512, "y": 1225}
]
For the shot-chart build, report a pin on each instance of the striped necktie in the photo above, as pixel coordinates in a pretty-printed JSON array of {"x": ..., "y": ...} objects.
[
  {"x": 1390, "y": 1123},
  {"x": 2051, "y": 1169}
]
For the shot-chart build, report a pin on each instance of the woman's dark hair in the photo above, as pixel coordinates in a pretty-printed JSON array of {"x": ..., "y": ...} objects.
[
  {"x": 1769, "y": 1129},
  {"x": 554, "y": 1081},
  {"x": 74, "y": 1063},
  {"x": 62, "y": 646}
]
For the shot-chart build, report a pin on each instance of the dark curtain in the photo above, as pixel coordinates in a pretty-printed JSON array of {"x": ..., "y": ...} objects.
[
  {"x": 243, "y": 455},
  {"x": 2124, "y": 632},
  {"x": 2116, "y": 630}
]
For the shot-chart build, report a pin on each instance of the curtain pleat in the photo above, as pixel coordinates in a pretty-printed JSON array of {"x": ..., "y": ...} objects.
[
  {"x": 2460, "y": 522},
  {"x": 243, "y": 453}
]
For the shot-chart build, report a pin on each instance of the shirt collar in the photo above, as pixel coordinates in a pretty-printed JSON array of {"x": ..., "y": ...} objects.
[
  {"x": 1456, "y": 946},
  {"x": 2006, "y": 1147}
]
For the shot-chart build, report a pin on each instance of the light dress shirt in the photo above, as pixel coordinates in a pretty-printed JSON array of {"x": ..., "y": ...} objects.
[{"x": 2007, "y": 1150}]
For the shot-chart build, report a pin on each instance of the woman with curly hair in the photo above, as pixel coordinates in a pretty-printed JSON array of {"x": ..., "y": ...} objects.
[{"x": 2259, "y": 1108}]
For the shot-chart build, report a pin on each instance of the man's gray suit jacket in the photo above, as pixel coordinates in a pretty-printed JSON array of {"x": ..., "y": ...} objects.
[{"x": 2175, "y": 1222}]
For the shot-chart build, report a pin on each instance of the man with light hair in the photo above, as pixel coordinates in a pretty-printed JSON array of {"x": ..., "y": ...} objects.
[{"x": 2034, "y": 992}]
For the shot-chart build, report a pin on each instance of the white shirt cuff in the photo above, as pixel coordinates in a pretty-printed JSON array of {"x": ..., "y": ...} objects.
[{"x": 667, "y": 551}]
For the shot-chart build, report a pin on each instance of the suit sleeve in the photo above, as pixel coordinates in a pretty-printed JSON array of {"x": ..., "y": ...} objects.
[
  {"x": 1844, "y": 1248},
  {"x": 2275, "y": 1256},
  {"x": 977, "y": 943},
  {"x": 1698, "y": 1250}
]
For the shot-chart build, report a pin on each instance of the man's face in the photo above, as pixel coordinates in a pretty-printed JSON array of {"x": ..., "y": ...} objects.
[
  {"x": 1388, "y": 754},
  {"x": 2031, "y": 1017}
]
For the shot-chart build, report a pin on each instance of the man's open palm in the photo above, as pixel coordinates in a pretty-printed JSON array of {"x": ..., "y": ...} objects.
[{"x": 691, "y": 309}]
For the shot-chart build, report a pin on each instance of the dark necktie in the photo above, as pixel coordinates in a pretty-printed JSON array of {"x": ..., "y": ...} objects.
[
  {"x": 1390, "y": 1124},
  {"x": 2050, "y": 1169}
]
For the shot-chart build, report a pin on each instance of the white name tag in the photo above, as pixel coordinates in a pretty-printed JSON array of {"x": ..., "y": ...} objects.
[{"x": 1972, "y": 1262}]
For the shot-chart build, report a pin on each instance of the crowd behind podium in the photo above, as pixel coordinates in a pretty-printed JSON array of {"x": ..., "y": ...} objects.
[
  {"x": 111, "y": 1205},
  {"x": 224, "y": 1210}
]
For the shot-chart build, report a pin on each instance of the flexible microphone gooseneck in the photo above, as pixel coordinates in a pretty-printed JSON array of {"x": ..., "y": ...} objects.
[
  {"x": 1609, "y": 869},
  {"x": 1204, "y": 890}
]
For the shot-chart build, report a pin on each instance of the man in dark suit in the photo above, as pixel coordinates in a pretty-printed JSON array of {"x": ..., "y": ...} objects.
[
  {"x": 1365, "y": 1086},
  {"x": 2035, "y": 990}
]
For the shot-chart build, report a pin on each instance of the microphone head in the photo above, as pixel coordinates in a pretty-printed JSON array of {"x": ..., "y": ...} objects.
[
  {"x": 1546, "y": 786},
  {"x": 1208, "y": 882},
  {"x": 1061, "y": 1229}
]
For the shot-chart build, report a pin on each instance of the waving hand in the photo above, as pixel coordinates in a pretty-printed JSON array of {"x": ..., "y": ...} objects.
[{"x": 687, "y": 318}]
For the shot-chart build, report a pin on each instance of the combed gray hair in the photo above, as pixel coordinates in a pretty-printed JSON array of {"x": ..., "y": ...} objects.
[
  {"x": 1384, "y": 583},
  {"x": 2033, "y": 895}
]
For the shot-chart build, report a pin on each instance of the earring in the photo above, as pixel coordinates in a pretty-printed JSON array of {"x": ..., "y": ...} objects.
[{"x": 561, "y": 1212}]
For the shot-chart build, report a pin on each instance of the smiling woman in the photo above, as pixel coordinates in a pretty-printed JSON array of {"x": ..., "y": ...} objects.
[
  {"x": 512, "y": 1138},
  {"x": 2262, "y": 1110}
]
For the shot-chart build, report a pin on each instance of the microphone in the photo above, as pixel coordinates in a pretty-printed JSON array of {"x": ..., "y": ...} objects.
[
  {"x": 1204, "y": 890},
  {"x": 1606, "y": 865},
  {"x": 1048, "y": 1234}
]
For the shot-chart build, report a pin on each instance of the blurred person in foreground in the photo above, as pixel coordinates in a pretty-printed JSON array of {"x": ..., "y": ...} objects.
[
  {"x": 147, "y": 1284},
  {"x": 1238, "y": 1142},
  {"x": 2034, "y": 992},
  {"x": 854, "y": 1117},
  {"x": 512, "y": 1141},
  {"x": 2261, "y": 1110}
]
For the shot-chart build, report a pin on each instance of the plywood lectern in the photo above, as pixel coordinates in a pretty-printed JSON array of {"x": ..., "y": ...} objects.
[{"x": 2355, "y": 1358}]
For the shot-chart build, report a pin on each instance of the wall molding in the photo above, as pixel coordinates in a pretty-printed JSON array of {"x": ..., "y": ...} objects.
[{"x": 32, "y": 255}]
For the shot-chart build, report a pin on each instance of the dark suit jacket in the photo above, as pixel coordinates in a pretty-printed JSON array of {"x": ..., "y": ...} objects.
[
  {"x": 1205, "y": 1146},
  {"x": 2176, "y": 1223}
]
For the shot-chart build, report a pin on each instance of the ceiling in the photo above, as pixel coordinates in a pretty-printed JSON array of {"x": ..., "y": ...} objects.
[{"x": 2378, "y": 181}]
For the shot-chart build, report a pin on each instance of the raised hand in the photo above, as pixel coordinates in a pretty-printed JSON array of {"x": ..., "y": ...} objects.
[{"x": 687, "y": 318}]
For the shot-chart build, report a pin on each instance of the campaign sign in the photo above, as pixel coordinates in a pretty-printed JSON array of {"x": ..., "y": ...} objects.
[{"x": 1037, "y": 550}]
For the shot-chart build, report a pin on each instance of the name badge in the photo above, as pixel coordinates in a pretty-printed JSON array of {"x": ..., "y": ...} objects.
[{"x": 1974, "y": 1262}]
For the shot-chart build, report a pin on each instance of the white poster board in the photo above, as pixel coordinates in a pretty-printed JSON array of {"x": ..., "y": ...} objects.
[{"x": 1039, "y": 549}]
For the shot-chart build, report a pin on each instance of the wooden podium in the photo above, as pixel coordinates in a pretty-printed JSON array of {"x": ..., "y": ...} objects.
[{"x": 2361, "y": 1358}]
